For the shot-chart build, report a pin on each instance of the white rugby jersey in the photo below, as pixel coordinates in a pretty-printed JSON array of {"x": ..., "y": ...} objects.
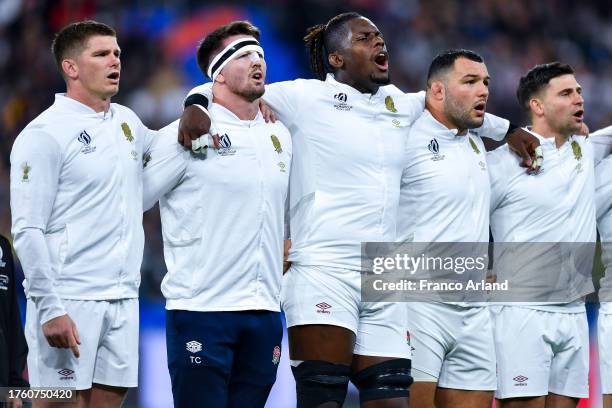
[
  {"x": 76, "y": 203},
  {"x": 603, "y": 197},
  {"x": 556, "y": 205},
  {"x": 349, "y": 157},
  {"x": 222, "y": 214},
  {"x": 445, "y": 185}
]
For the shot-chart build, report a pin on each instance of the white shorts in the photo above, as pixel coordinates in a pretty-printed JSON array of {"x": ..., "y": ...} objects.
[
  {"x": 332, "y": 296},
  {"x": 604, "y": 339},
  {"x": 541, "y": 352},
  {"x": 453, "y": 345},
  {"x": 108, "y": 331}
]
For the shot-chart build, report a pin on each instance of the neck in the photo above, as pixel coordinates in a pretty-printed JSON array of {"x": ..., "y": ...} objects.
[
  {"x": 437, "y": 111},
  {"x": 97, "y": 103},
  {"x": 343, "y": 77},
  {"x": 238, "y": 105},
  {"x": 543, "y": 129}
]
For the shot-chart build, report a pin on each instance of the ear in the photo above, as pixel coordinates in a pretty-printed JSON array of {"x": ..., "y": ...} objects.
[
  {"x": 70, "y": 68},
  {"x": 438, "y": 91},
  {"x": 335, "y": 60},
  {"x": 536, "y": 106},
  {"x": 220, "y": 78}
]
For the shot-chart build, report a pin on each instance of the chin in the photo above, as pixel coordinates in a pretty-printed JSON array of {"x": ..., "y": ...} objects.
[{"x": 381, "y": 79}]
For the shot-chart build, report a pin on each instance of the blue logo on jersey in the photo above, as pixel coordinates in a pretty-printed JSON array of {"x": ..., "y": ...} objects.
[
  {"x": 86, "y": 140},
  {"x": 434, "y": 147}
]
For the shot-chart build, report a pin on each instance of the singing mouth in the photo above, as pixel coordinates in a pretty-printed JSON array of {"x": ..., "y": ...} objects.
[{"x": 382, "y": 60}]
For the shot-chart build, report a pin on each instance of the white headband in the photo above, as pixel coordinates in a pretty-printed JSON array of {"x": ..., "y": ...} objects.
[{"x": 233, "y": 50}]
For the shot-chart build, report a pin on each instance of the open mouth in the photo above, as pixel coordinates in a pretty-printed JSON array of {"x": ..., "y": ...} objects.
[
  {"x": 382, "y": 60},
  {"x": 258, "y": 76},
  {"x": 579, "y": 114},
  {"x": 113, "y": 76},
  {"x": 480, "y": 108}
]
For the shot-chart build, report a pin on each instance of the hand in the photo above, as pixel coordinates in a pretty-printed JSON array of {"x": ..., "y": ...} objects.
[
  {"x": 61, "y": 332},
  {"x": 286, "y": 263},
  {"x": 584, "y": 130},
  {"x": 528, "y": 147},
  {"x": 194, "y": 123},
  {"x": 267, "y": 112}
]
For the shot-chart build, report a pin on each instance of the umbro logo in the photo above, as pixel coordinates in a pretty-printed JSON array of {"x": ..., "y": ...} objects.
[
  {"x": 193, "y": 346},
  {"x": 520, "y": 381},
  {"x": 66, "y": 374},
  {"x": 323, "y": 308},
  {"x": 342, "y": 105},
  {"x": 85, "y": 139}
]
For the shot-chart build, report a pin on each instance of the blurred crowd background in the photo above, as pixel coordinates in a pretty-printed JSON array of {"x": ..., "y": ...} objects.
[{"x": 158, "y": 40}]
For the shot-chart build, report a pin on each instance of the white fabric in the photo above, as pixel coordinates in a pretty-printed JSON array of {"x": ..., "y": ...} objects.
[
  {"x": 222, "y": 215},
  {"x": 454, "y": 344},
  {"x": 332, "y": 296},
  {"x": 108, "y": 331},
  {"x": 540, "y": 352},
  {"x": 603, "y": 199},
  {"x": 604, "y": 340},
  {"x": 76, "y": 203},
  {"x": 346, "y": 173},
  {"x": 602, "y": 143},
  {"x": 445, "y": 195},
  {"x": 556, "y": 205}
]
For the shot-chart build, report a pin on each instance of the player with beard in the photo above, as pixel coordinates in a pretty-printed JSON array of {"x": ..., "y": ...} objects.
[
  {"x": 445, "y": 198},
  {"x": 551, "y": 363},
  {"x": 222, "y": 218},
  {"x": 349, "y": 130}
]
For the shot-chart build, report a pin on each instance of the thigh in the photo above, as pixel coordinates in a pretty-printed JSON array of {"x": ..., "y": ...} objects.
[
  {"x": 55, "y": 367},
  {"x": 570, "y": 366},
  {"x": 256, "y": 359},
  {"x": 524, "y": 355},
  {"x": 383, "y": 331},
  {"x": 321, "y": 306},
  {"x": 200, "y": 356},
  {"x": 470, "y": 364},
  {"x": 604, "y": 339},
  {"x": 453, "y": 398},
  {"x": 117, "y": 359},
  {"x": 430, "y": 338}
]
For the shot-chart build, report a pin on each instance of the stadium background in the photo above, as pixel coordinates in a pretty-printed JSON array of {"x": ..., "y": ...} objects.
[{"x": 158, "y": 39}]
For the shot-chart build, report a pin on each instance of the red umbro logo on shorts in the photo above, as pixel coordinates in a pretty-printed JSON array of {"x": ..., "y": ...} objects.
[
  {"x": 323, "y": 307},
  {"x": 520, "y": 379}
]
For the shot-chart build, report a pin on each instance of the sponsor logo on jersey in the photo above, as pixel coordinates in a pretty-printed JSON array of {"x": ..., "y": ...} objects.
[
  {"x": 282, "y": 166},
  {"x": 520, "y": 381},
  {"x": 342, "y": 105},
  {"x": 4, "y": 280},
  {"x": 434, "y": 148},
  {"x": 276, "y": 143},
  {"x": 193, "y": 346},
  {"x": 389, "y": 104},
  {"x": 323, "y": 308},
  {"x": 396, "y": 123},
  {"x": 276, "y": 355},
  {"x": 127, "y": 132},
  {"x": 66, "y": 374},
  {"x": 225, "y": 146},
  {"x": 25, "y": 178},
  {"x": 85, "y": 139}
]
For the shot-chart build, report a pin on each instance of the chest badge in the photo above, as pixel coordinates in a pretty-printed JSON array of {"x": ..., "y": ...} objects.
[
  {"x": 577, "y": 150},
  {"x": 390, "y": 105},
  {"x": 127, "y": 132},
  {"x": 26, "y": 174},
  {"x": 85, "y": 139},
  {"x": 276, "y": 143},
  {"x": 474, "y": 146}
]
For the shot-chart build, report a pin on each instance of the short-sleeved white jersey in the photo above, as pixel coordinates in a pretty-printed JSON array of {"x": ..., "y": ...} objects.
[{"x": 603, "y": 198}]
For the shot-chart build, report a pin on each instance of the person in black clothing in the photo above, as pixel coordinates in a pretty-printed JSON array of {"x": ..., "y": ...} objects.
[{"x": 13, "y": 347}]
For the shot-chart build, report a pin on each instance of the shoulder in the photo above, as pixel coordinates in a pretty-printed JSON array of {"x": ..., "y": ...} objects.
[{"x": 125, "y": 113}]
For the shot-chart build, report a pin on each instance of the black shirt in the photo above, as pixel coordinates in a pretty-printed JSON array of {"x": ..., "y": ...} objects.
[{"x": 13, "y": 347}]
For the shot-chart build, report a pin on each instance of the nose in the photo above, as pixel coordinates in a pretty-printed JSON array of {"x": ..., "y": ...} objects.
[
  {"x": 379, "y": 41},
  {"x": 483, "y": 90},
  {"x": 579, "y": 99}
]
